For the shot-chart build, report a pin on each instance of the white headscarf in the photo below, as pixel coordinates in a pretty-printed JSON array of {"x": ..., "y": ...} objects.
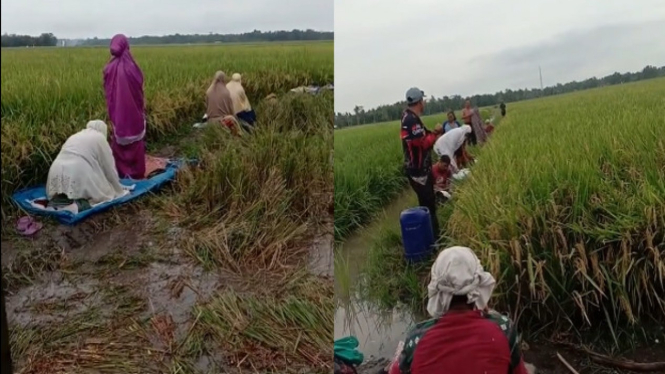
[
  {"x": 98, "y": 126},
  {"x": 450, "y": 142},
  {"x": 238, "y": 95},
  {"x": 457, "y": 271}
]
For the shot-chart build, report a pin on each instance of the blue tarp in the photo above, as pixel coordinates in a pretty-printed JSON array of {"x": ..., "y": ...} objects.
[{"x": 141, "y": 187}]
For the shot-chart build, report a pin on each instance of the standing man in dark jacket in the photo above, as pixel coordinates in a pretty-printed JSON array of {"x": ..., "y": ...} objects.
[{"x": 417, "y": 144}]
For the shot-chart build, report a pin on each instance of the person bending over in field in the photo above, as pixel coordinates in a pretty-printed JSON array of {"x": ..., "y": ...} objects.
[
  {"x": 442, "y": 174},
  {"x": 464, "y": 335},
  {"x": 219, "y": 104},
  {"x": 451, "y": 123},
  {"x": 453, "y": 144},
  {"x": 241, "y": 106},
  {"x": 84, "y": 171},
  {"x": 417, "y": 144},
  {"x": 123, "y": 87}
]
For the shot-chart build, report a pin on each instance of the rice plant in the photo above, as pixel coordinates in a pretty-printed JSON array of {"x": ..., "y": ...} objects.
[
  {"x": 568, "y": 202},
  {"x": 48, "y": 94}
]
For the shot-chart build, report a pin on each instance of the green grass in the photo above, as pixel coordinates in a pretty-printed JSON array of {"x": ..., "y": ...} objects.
[
  {"x": 565, "y": 208},
  {"x": 49, "y": 94}
]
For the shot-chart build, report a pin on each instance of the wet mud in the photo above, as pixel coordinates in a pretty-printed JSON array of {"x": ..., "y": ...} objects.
[{"x": 65, "y": 272}]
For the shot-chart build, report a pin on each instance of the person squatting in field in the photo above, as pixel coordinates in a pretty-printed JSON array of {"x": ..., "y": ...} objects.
[
  {"x": 442, "y": 172},
  {"x": 123, "y": 88},
  {"x": 453, "y": 144},
  {"x": 489, "y": 127},
  {"x": 241, "y": 105},
  {"x": 219, "y": 104},
  {"x": 464, "y": 335},
  {"x": 417, "y": 142},
  {"x": 84, "y": 172}
]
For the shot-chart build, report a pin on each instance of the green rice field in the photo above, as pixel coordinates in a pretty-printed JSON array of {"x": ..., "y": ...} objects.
[
  {"x": 50, "y": 93},
  {"x": 566, "y": 207}
]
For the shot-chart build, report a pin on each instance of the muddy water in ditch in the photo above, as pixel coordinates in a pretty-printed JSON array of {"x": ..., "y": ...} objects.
[{"x": 379, "y": 331}]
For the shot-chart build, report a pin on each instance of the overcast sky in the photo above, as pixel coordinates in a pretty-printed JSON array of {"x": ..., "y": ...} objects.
[
  {"x": 383, "y": 47},
  {"x": 105, "y": 18}
]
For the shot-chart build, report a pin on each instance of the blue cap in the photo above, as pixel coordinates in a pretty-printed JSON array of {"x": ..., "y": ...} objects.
[{"x": 414, "y": 95}]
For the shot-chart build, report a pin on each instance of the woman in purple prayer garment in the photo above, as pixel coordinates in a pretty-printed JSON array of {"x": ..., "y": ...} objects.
[{"x": 123, "y": 87}]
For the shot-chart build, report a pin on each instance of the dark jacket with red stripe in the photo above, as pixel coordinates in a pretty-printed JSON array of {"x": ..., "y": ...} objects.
[{"x": 417, "y": 144}]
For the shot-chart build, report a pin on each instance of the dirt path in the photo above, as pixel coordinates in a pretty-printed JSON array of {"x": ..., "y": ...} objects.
[{"x": 100, "y": 272}]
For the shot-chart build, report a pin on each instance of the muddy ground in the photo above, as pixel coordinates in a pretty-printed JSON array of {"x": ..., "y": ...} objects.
[{"x": 116, "y": 294}]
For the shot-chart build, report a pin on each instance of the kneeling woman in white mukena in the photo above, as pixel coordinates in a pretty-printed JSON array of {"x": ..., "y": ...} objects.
[{"x": 84, "y": 171}]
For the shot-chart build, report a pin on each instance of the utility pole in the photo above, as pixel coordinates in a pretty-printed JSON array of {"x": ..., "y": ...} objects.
[{"x": 540, "y": 72}]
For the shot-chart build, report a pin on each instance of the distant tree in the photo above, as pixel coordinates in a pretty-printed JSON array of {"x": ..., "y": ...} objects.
[
  {"x": 43, "y": 40},
  {"x": 358, "y": 110},
  {"x": 392, "y": 112},
  {"x": 49, "y": 40},
  {"x": 649, "y": 72},
  {"x": 248, "y": 37}
]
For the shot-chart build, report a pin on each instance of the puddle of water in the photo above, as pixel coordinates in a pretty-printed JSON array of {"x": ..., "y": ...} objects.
[{"x": 378, "y": 331}]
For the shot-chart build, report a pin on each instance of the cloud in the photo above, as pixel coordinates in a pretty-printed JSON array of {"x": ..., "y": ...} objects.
[
  {"x": 576, "y": 55},
  {"x": 383, "y": 47}
]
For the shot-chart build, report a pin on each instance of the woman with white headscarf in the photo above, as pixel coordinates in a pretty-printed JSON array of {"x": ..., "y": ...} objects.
[
  {"x": 241, "y": 106},
  {"x": 453, "y": 144},
  {"x": 85, "y": 170},
  {"x": 464, "y": 335}
]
